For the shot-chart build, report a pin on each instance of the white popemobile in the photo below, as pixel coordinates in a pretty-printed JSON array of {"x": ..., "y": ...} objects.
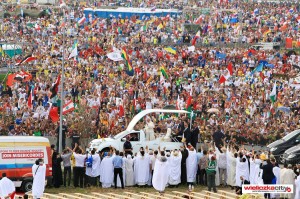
[{"x": 117, "y": 141}]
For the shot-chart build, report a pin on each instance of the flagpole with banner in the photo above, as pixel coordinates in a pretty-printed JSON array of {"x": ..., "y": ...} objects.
[{"x": 62, "y": 93}]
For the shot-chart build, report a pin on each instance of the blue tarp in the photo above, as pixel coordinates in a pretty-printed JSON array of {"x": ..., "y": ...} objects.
[{"x": 143, "y": 13}]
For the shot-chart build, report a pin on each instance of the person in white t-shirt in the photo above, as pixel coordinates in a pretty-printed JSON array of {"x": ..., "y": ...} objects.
[{"x": 78, "y": 169}]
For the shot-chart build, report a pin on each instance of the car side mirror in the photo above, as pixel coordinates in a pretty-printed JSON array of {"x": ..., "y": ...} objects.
[{"x": 123, "y": 139}]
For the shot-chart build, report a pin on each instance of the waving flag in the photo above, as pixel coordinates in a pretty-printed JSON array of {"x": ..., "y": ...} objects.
[
  {"x": 171, "y": 50},
  {"x": 54, "y": 89},
  {"x": 30, "y": 99},
  {"x": 258, "y": 68},
  {"x": 80, "y": 22},
  {"x": 68, "y": 107},
  {"x": 197, "y": 36},
  {"x": 26, "y": 59},
  {"x": 164, "y": 72},
  {"x": 22, "y": 76},
  {"x": 74, "y": 52},
  {"x": 273, "y": 93},
  {"x": 129, "y": 70}
]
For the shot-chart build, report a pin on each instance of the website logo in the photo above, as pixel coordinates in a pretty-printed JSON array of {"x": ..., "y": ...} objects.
[{"x": 278, "y": 188}]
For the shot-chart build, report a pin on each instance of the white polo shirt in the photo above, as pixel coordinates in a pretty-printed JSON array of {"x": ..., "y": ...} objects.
[{"x": 79, "y": 159}]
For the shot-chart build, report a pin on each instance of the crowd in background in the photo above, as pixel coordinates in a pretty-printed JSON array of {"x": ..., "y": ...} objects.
[{"x": 100, "y": 87}]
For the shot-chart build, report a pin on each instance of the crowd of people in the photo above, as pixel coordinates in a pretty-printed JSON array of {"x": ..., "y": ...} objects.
[
  {"x": 210, "y": 166},
  {"x": 249, "y": 95},
  {"x": 99, "y": 86}
]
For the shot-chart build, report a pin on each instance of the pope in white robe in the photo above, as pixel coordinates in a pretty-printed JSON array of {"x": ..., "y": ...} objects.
[
  {"x": 160, "y": 174},
  {"x": 7, "y": 188},
  {"x": 107, "y": 172},
  {"x": 129, "y": 177},
  {"x": 141, "y": 169},
  {"x": 175, "y": 168},
  {"x": 231, "y": 167},
  {"x": 191, "y": 166},
  {"x": 149, "y": 130},
  {"x": 39, "y": 180}
]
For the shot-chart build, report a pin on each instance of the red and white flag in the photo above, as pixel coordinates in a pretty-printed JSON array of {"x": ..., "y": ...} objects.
[
  {"x": 68, "y": 107},
  {"x": 26, "y": 59},
  {"x": 82, "y": 20},
  {"x": 224, "y": 78},
  {"x": 195, "y": 38}
]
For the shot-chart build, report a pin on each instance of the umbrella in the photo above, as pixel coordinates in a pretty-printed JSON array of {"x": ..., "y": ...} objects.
[
  {"x": 284, "y": 109},
  {"x": 212, "y": 110},
  {"x": 170, "y": 107}
]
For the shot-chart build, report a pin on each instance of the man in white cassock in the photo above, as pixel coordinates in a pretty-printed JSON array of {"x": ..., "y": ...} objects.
[
  {"x": 242, "y": 169},
  {"x": 141, "y": 168},
  {"x": 160, "y": 174},
  {"x": 96, "y": 168},
  {"x": 94, "y": 171},
  {"x": 191, "y": 167},
  {"x": 107, "y": 171},
  {"x": 175, "y": 168},
  {"x": 39, "y": 176},
  {"x": 230, "y": 168},
  {"x": 149, "y": 130},
  {"x": 129, "y": 177},
  {"x": 254, "y": 169},
  {"x": 7, "y": 188}
]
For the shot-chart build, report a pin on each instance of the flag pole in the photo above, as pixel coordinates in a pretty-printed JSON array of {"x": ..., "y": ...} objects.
[{"x": 61, "y": 93}]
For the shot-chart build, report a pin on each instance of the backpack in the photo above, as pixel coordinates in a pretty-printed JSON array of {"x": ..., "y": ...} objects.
[{"x": 89, "y": 162}]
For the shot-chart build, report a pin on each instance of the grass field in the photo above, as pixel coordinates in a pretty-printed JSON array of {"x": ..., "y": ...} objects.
[{"x": 71, "y": 189}]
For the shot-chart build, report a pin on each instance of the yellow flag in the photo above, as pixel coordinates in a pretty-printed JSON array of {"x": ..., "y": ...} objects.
[{"x": 160, "y": 26}]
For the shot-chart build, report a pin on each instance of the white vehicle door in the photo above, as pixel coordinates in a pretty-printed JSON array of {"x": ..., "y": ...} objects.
[{"x": 134, "y": 138}]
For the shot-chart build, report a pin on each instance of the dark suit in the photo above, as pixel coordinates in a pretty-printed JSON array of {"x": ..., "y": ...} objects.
[
  {"x": 267, "y": 176},
  {"x": 218, "y": 136},
  {"x": 180, "y": 128},
  {"x": 195, "y": 134},
  {"x": 187, "y": 135}
]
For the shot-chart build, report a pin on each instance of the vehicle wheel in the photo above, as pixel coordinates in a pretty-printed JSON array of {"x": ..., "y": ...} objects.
[{"x": 27, "y": 186}]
